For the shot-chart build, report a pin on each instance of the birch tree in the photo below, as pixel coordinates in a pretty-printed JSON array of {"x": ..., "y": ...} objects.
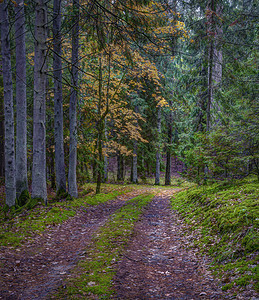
[
  {"x": 72, "y": 185},
  {"x": 39, "y": 187},
  {"x": 21, "y": 105},
  {"x": 10, "y": 186},
  {"x": 58, "y": 99}
]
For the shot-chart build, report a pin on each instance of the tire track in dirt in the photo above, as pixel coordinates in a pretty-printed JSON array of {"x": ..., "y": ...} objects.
[
  {"x": 157, "y": 264},
  {"x": 38, "y": 267}
]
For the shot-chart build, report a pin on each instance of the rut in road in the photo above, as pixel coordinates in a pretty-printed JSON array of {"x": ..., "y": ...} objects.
[
  {"x": 157, "y": 264},
  {"x": 40, "y": 266}
]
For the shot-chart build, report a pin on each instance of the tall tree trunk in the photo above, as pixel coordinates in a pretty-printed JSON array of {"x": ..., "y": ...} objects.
[
  {"x": 134, "y": 173},
  {"x": 100, "y": 157},
  {"x": 10, "y": 186},
  {"x": 210, "y": 92},
  {"x": 100, "y": 130},
  {"x": 105, "y": 168},
  {"x": 58, "y": 99},
  {"x": 120, "y": 167},
  {"x": 39, "y": 186},
  {"x": 105, "y": 155},
  {"x": 72, "y": 184},
  {"x": 202, "y": 102},
  {"x": 21, "y": 102},
  {"x": 2, "y": 134},
  {"x": 2, "y": 137},
  {"x": 168, "y": 152},
  {"x": 215, "y": 59},
  {"x": 135, "y": 163},
  {"x": 158, "y": 152},
  {"x": 217, "y": 62}
]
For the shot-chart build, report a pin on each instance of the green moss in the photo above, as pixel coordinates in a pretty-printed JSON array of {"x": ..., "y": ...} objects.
[
  {"x": 226, "y": 216},
  {"x": 93, "y": 276},
  {"x": 227, "y": 286},
  {"x": 23, "y": 199},
  {"x": 18, "y": 224}
]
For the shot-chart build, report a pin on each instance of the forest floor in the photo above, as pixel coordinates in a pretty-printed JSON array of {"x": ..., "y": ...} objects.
[{"x": 123, "y": 248}]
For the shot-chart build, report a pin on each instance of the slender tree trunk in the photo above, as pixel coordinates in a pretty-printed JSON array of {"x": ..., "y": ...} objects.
[
  {"x": 215, "y": 59},
  {"x": 72, "y": 184},
  {"x": 202, "y": 102},
  {"x": 100, "y": 130},
  {"x": 158, "y": 152},
  {"x": 210, "y": 91},
  {"x": 39, "y": 186},
  {"x": 105, "y": 155},
  {"x": 135, "y": 163},
  {"x": 2, "y": 136},
  {"x": 100, "y": 158},
  {"x": 168, "y": 153},
  {"x": 120, "y": 167},
  {"x": 58, "y": 99},
  {"x": 134, "y": 173},
  {"x": 21, "y": 102},
  {"x": 10, "y": 185},
  {"x": 217, "y": 62}
]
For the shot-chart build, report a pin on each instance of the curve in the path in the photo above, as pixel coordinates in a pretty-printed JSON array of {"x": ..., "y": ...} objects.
[{"x": 158, "y": 265}]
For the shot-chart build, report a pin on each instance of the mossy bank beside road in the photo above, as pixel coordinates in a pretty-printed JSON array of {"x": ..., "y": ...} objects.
[{"x": 224, "y": 219}]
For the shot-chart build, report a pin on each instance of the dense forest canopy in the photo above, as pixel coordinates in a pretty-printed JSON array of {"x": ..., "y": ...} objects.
[{"x": 141, "y": 84}]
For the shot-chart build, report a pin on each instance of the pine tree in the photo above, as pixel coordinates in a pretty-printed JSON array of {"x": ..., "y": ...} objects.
[
  {"x": 10, "y": 184},
  {"x": 39, "y": 186},
  {"x": 58, "y": 99},
  {"x": 72, "y": 184},
  {"x": 21, "y": 101}
]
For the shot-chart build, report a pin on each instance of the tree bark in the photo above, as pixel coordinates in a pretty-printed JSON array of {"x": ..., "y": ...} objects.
[
  {"x": 72, "y": 184},
  {"x": 215, "y": 60},
  {"x": 21, "y": 101},
  {"x": 158, "y": 152},
  {"x": 100, "y": 130},
  {"x": 10, "y": 185},
  {"x": 120, "y": 167},
  {"x": 2, "y": 138},
  {"x": 58, "y": 99},
  {"x": 168, "y": 152},
  {"x": 39, "y": 186},
  {"x": 106, "y": 162},
  {"x": 135, "y": 163}
]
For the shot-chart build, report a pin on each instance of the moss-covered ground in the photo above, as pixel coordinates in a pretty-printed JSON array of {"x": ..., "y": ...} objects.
[
  {"x": 16, "y": 226},
  {"x": 225, "y": 217},
  {"x": 92, "y": 278}
]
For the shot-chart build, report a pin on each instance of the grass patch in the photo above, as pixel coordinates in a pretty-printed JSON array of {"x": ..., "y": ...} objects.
[
  {"x": 225, "y": 216},
  {"x": 93, "y": 275},
  {"x": 16, "y": 227}
]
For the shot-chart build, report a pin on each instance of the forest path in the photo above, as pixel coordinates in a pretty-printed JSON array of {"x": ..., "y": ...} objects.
[
  {"x": 39, "y": 266},
  {"x": 158, "y": 265}
]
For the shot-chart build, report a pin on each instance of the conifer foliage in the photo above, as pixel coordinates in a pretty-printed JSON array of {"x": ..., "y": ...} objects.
[{"x": 138, "y": 85}]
